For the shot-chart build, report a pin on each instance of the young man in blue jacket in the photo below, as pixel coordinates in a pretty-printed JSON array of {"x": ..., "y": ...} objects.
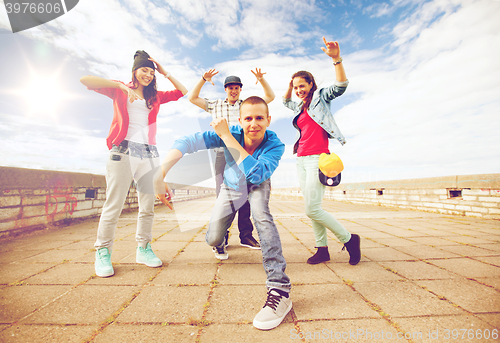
[
  {"x": 229, "y": 108},
  {"x": 252, "y": 155}
]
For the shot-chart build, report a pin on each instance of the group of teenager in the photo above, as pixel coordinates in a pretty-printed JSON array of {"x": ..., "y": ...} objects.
[{"x": 247, "y": 154}]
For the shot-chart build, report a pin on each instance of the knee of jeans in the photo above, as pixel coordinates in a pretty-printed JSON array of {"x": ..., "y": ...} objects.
[
  {"x": 313, "y": 212},
  {"x": 213, "y": 240}
]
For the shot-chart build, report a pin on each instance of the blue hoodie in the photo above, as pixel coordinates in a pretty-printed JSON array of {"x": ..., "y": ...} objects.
[{"x": 254, "y": 169}]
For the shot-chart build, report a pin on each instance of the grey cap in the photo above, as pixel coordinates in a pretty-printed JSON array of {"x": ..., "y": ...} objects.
[{"x": 232, "y": 80}]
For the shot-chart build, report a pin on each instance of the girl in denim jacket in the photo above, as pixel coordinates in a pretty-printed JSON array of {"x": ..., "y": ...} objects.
[{"x": 315, "y": 125}]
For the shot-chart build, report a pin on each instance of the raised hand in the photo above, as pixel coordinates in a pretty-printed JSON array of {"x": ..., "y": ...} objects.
[
  {"x": 160, "y": 69},
  {"x": 220, "y": 126},
  {"x": 332, "y": 49},
  {"x": 258, "y": 74},
  {"x": 209, "y": 74}
]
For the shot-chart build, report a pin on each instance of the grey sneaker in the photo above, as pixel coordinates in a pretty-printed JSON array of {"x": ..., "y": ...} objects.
[
  {"x": 147, "y": 257},
  {"x": 277, "y": 306},
  {"x": 103, "y": 266},
  {"x": 220, "y": 253}
]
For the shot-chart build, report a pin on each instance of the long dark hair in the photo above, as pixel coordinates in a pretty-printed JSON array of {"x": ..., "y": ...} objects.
[
  {"x": 149, "y": 92},
  {"x": 307, "y": 76}
]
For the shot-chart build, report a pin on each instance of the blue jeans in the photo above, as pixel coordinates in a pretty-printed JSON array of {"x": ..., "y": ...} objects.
[
  {"x": 226, "y": 206},
  {"x": 313, "y": 191},
  {"x": 244, "y": 223}
]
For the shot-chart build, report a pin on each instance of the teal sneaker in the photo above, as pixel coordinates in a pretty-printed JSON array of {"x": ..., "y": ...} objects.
[
  {"x": 147, "y": 257},
  {"x": 103, "y": 266}
]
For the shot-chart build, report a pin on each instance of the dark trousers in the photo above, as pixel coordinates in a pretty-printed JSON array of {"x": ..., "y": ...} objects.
[{"x": 244, "y": 223}]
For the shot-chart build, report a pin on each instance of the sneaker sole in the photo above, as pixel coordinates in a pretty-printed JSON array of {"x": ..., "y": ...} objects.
[
  {"x": 249, "y": 246},
  {"x": 105, "y": 275},
  {"x": 150, "y": 265},
  {"x": 273, "y": 323},
  {"x": 318, "y": 262},
  {"x": 222, "y": 258}
]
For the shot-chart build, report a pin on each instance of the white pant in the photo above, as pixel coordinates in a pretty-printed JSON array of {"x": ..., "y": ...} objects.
[{"x": 121, "y": 169}]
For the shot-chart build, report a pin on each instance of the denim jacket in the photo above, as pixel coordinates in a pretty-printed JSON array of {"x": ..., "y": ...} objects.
[{"x": 319, "y": 111}]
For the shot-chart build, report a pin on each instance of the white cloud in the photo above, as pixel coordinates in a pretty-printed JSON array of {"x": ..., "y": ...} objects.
[
  {"x": 38, "y": 144},
  {"x": 264, "y": 25},
  {"x": 422, "y": 18},
  {"x": 379, "y": 9}
]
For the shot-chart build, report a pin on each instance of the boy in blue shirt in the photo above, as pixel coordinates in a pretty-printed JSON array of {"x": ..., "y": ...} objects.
[{"x": 252, "y": 155}]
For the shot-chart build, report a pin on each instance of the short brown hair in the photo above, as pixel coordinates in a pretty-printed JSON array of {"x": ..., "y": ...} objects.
[{"x": 255, "y": 100}]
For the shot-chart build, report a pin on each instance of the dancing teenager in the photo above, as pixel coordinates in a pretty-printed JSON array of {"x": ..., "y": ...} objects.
[
  {"x": 229, "y": 109},
  {"x": 133, "y": 155},
  {"x": 315, "y": 123},
  {"x": 252, "y": 155}
]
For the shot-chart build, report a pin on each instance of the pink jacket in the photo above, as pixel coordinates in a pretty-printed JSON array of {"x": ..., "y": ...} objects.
[{"x": 119, "y": 125}]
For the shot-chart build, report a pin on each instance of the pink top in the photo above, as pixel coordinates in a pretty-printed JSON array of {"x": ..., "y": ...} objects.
[{"x": 313, "y": 139}]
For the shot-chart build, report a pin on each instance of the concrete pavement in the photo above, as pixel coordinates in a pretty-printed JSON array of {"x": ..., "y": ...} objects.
[{"x": 424, "y": 277}]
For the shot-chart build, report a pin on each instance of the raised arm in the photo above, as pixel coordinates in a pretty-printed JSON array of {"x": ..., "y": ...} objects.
[
  {"x": 268, "y": 91},
  {"x": 194, "y": 95},
  {"x": 288, "y": 94},
  {"x": 222, "y": 129},
  {"x": 333, "y": 50},
  {"x": 96, "y": 82},
  {"x": 175, "y": 82}
]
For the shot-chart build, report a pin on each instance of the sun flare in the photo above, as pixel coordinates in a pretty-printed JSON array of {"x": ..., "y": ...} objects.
[{"x": 43, "y": 96}]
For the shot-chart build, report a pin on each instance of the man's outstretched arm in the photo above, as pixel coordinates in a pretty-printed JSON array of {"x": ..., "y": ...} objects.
[
  {"x": 184, "y": 145},
  {"x": 161, "y": 187}
]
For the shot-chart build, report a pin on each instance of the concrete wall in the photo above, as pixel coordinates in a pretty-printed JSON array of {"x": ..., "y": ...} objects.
[
  {"x": 32, "y": 199},
  {"x": 466, "y": 195}
]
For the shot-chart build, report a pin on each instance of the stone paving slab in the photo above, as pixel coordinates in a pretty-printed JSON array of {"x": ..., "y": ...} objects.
[
  {"x": 346, "y": 330},
  {"x": 471, "y": 295},
  {"x": 10, "y": 273},
  {"x": 46, "y": 333},
  {"x": 236, "y": 304},
  {"x": 164, "y": 304},
  {"x": 243, "y": 333},
  {"x": 339, "y": 301},
  {"x": 404, "y": 298},
  {"x": 87, "y": 304},
  {"x": 147, "y": 333},
  {"x": 420, "y": 273}
]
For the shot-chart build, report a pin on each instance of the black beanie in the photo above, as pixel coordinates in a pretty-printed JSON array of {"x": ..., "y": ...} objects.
[{"x": 141, "y": 59}]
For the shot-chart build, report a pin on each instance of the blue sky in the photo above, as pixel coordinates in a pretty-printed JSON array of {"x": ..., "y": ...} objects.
[{"x": 423, "y": 98}]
